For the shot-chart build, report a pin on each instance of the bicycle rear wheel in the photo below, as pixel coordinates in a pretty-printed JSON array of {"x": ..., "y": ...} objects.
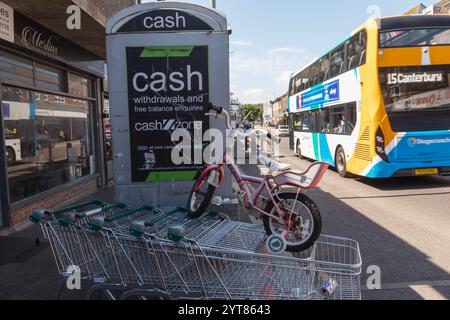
[{"x": 305, "y": 218}]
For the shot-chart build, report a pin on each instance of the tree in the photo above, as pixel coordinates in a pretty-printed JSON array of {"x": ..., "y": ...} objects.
[{"x": 256, "y": 112}]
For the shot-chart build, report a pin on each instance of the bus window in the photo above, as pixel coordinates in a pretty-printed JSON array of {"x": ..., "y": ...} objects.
[
  {"x": 325, "y": 68},
  {"x": 338, "y": 120},
  {"x": 309, "y": 121},
  {"x": 356, "y": 50},
  {"x": 297, "y": 125},
  {"x": 343, "y": 119},
  {"x": 291, "y": 87},
  {"x": 351, "y": 117},
  {"x": 324, "y": 121},
  {"x": 337, "y": 61}
]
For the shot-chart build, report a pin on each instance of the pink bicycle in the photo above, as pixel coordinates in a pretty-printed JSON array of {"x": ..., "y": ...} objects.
[{"x": 291, "y": 218}]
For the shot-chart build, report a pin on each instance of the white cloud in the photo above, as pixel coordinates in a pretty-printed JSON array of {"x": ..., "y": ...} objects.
[
  {"x": 241, "y": 43},
  {"x": 283, "y": 78},
  {"x": 286, "y": 50},
  {"x": 254, "y": 95}
]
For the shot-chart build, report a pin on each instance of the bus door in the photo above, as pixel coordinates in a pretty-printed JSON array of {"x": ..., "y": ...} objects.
[
  {"x": 291, "y": 132},
  {"x": 306, "y": 140}
]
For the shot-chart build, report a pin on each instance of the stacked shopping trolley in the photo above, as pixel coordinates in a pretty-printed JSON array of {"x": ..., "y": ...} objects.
[{"x": 146, "y": 252}]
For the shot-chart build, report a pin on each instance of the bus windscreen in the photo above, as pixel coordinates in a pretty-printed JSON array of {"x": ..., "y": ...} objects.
[{"x": 415, "y": 38}]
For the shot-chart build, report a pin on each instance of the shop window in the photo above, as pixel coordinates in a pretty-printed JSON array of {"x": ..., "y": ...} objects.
[
  {"x": 49, "y": 143},
  {"x": 79, "y": 86},
  {"x": 16, "y": 69},
  {"x": 48, "y": 78}
]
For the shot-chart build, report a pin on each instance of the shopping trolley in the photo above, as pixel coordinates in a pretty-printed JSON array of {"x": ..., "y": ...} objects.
[{"x": 147, "y": 252}]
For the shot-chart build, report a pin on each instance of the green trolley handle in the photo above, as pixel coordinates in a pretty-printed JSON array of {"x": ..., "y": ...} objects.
[
  {"x": 178, "y": 232},
  {"x": 138, "y": 228},
  {"x": 99, "y": 222},
  {"x": 69, "y": 218},
  {"x": 41, "y": 214}
]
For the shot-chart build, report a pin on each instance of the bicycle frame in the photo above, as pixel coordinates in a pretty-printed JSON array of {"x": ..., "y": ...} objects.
[{"x": 250, "y": 199}]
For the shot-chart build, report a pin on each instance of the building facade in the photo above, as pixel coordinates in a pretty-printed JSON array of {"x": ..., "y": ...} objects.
[
  {"x": 280, "y": 110},
  {"x": 440, "y": 7},
  {"x": 52, "y": 146}
]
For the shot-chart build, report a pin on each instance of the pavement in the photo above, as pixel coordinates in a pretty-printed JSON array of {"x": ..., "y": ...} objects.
[{"x": 402, "y": 226}]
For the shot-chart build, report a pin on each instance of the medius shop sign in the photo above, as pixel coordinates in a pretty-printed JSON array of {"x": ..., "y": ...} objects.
[{"x": 35, "y": 37}]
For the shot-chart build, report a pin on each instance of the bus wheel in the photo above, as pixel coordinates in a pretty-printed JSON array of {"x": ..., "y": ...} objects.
[
  {"x": 10, "y": 156},
  {"x": 341, "y": 162},
  {"x": 299, "y": 150}
]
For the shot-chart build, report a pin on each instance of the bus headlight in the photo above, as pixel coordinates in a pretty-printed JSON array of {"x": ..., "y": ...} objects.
[{"x": 380, "y": 144}]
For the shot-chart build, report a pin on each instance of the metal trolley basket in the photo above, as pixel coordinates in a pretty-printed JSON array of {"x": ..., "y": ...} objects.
[{"x": 146, "y": 252}]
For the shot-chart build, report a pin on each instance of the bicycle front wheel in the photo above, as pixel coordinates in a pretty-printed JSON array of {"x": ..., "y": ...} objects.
[
  {"x": 305, "y": 219},
  {"x": 200, "y": 199}
]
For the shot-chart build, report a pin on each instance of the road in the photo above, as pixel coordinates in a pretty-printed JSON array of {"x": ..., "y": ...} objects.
[{"x": 402, "y": 225}]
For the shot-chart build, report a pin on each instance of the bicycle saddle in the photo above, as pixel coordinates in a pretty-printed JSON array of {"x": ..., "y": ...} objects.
[{"x": 273, "y": 165}]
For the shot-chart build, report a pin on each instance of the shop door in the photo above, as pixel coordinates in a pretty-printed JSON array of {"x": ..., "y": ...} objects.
[{"x": 4, "y": 201}]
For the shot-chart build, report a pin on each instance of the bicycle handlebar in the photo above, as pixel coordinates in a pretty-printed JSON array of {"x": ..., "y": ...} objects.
[
  {"x": 212, "y": 107},
  {"x": 220, "y": 111}
]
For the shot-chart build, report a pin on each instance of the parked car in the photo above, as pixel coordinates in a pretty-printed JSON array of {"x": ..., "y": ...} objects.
[{"x": 282, "y": 131}]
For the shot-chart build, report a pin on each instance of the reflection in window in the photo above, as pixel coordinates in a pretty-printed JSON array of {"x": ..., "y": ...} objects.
[
  {"x": 48, "y": 78},
  {"x": 415, "y": 37},
  {"x": 79, "y": 86},
  {"x": 48, "y": 142},
  {"x": 15, "y": 69}
]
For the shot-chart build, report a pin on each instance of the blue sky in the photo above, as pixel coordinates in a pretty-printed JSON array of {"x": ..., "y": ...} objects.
[{"x": 272, "y": 39}]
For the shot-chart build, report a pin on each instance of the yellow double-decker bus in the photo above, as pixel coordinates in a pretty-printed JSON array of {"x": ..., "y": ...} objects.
[{"x": 378, "y": 104}]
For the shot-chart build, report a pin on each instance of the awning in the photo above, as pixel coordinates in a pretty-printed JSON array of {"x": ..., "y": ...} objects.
[{"x": 52, "y": 14}]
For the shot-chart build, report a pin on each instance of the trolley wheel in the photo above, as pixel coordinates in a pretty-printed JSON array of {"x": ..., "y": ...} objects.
[
  {"x": 276, "y": 244},
  {"x": 307, "y": 224},
  {"x": 200, "y": 200}
]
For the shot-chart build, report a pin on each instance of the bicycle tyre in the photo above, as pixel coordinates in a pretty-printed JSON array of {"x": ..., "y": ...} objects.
[
  {"x": 315, "y": 214},
  {"x": 196, "y": 213}
]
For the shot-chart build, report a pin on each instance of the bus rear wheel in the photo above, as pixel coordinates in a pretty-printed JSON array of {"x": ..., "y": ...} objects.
[{"x": 341, "y": 163}]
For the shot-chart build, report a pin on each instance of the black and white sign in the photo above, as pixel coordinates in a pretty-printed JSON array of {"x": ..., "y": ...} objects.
[
  {"x": 31, "y": 35},
  {"x": 6, "y": 22},
  {"x": 415, "y": 77},
  {"x": 165, "y": 21},
  {"x": 168, "y": 89}
]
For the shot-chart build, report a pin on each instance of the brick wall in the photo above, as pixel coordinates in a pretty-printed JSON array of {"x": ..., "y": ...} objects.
[
  {"x": 58, "y": 200},
  {"x": 109, "y": 7}
]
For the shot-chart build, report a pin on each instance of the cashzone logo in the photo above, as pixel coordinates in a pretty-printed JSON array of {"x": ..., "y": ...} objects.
[{"x": 167, "y": 125}]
